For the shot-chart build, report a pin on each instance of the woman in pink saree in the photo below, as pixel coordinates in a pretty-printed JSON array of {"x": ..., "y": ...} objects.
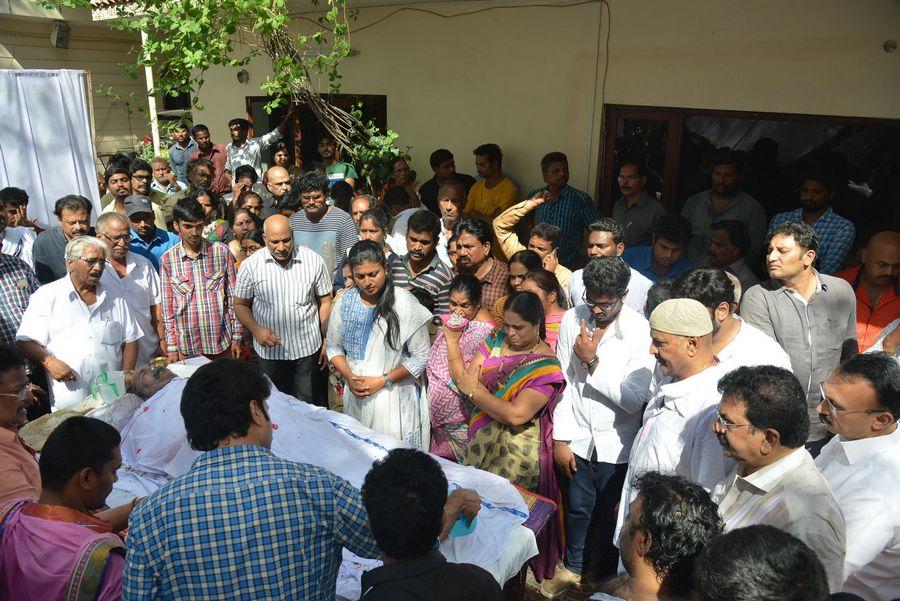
[
  {"x": 514, "y": 383},
  {"x": 454, "y": 346}
]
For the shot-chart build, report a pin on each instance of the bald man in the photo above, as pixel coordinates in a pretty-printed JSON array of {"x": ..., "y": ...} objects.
[
  {"x": 278, "y": 183},
  {"x": 875, "y": 283},
  {"x": 288, "y": 323}
]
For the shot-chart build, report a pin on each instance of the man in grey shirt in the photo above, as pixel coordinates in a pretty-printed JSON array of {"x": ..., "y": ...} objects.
[
  {"x": 636, "y": 211},
  {"x": 811, "y": 315},
  {"x": 725, "y": 200}
]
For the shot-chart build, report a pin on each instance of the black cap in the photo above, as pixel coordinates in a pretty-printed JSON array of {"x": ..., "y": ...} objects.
[{"x": 137, "y": 203}]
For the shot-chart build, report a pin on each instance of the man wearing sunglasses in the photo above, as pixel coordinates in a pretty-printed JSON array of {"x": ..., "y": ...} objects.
[
  {"x": 860, "y": 405},
  {"x": 762, "y": 423},
  {"x": 77, "y": 328}
]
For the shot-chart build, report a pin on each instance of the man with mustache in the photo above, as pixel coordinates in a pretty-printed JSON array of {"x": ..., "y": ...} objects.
[
  {"x": 77, "y": 328},
  {"x": 876, "y": 286},
  {"x": 762, "y": 424},
  {"x": 835, "y": 233},
  {"x": 283, "y": 297},
  {"x": 473, "y": 255},
  {"x": 676, "y": 435},
  {"x": 636, "y": 211},
  {"x": 860, "y": 405},
  {"x": 421, "y": 267},
  {"x": 327, "y": 230},
  {"x": 49, "y": 250},
  {"x": 602, "y": 349}
]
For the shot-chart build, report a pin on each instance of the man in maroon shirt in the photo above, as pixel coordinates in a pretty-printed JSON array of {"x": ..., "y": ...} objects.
[{"x": 221, "y": 183}]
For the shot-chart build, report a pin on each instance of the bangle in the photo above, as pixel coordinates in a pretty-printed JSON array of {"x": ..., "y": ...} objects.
[{"x": 449, "y": 358}]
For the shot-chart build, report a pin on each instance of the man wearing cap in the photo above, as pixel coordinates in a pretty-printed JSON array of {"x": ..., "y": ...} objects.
[
  {"x": 835, "y": 233},
  {"x": 725, "y": 200},
  {"x": 147, "y": 240},
  {"x": 676, "y": 435}
]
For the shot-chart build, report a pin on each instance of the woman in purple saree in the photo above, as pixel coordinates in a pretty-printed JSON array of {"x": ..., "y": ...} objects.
[{"x": 514, "y": 383}]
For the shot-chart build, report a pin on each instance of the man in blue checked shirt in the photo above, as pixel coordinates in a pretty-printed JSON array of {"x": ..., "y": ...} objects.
[
  {"x": 835, "y": 233},
  {"x": 243, "y": 523}
]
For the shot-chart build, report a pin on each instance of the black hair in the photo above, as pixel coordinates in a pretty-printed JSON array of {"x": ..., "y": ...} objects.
[
  {"x": 528, "y": 306},
  {"x": 727, "y": 156},
  {"x": 198, "y": 127},
  {"x": 291, "y": 202},
  {"x": 818, "y": 172},
  {"x": 366, "y": 251},
  {"x": 121, "y": 159},
  {"x": 759, "y": 562},
  {"x": 552, "y": 157},
  {"x": 232, "y": 217},
  {"x": 773, "y": 398},
  {"x": 549, "y": 232},
  {"x": 674, "y": 228},
  {"x": 681, "y": 520},
  {"x": 199, "y": 162},
  {"x": 77, "y": 443},
  {"x": 216, "y": 400},
  {"x": 475, "y": 227},
  {"x": 280, "y": 146},
  {"x": 529, "y": 259},
  {"x": 804, "y": 235},
  {"x": 204, "y": 191},
  {"x": 395, "y": 196},
  {"x": 404, "y": 495},
  {"x": 116, "y": 169},
  {"x": 377, "y": 216},
  {"x": 139, "y": 165},
  {"x": 13, "y": 196},
  {"x": 881, "y": 371},
  {"x": 188, "y": 209},
  {"x": 709, "y": 286},
  {"x": 659, "y": 293},
  {"x": 242, "y": 123},
  {"x": 342, "y": 195},
  {"x": 256, "y": 236},
  {"x": 608, "y": 224},
  {"x": 547, "y": 282},
  {"x": 491, "y": 151},
  {"x": 311, "y": 181},
  {"x": 249, "y": 194},
  {"x": 424, "y": 297},
  {"x": 738, "y": 234},
  {"x": 10, "y": 358},
  {"x": 72, "y": 202},
  {"x": 606, "y": 276},
  {"x": 425, "y": 221},
  {"x": 637, "y": 162},
  {"x": 396, "y": 160},
  {"x": 246, "y": 171},
  {"x": 325, "y": 136},
  {"x": 441, "y": 155},
  {"x": 182, "y": 125},
  {"x": 468, "y": 284}
]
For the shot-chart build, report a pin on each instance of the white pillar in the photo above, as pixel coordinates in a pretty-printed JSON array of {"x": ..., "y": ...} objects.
[{"x": 151, "y": 102}]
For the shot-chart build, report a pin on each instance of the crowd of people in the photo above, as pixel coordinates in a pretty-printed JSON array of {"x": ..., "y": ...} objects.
[{"x": 708, "y": 399}]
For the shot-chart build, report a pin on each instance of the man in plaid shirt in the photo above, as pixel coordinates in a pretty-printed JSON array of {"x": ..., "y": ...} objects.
[
  {"x": 243, "y": 523},
  {"x": 17, "y": 284},
  {"x": 197, "y": 278}
]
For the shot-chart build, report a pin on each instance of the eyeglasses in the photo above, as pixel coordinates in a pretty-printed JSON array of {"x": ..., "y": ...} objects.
[
  {"x": 832, "y": 409},
  {"x": 22, "y": 394},
  {"x": 122, "y": 238},
  {"x": 142, "y": 177},
  {"x": 629, "y": 178},
  {"x": 605, "y": 307},
  {"x": 92, "y": 262},
  {"x": 727, "y": 425}
]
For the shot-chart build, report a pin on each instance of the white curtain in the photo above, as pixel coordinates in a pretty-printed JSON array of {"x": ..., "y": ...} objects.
[{"x": 45, "y": 139}]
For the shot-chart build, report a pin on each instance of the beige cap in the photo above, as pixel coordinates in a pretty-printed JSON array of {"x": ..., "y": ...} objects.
[{"x": 681, "y": 317}]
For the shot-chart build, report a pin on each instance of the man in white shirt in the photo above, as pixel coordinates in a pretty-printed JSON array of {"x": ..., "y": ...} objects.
[
  {"x": 133, "y": 277},
  {"x": 248, "y": 151},
  {"x": 605, "y": 239},
  {"x": 76, "y": 328},
  {"x": 603, "y": 349},
  {"x": 861, "y": 405},
  {"x": 16, "y": 241},
  {"x": 735, "y": 342},
  {"x": 763, "y": 424},
  {"x": 676, "y": 436}
]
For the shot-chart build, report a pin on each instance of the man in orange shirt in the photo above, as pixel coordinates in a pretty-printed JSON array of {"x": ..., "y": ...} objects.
[
  {"x": 876, "y": 286},
  {"x": 19, "y": 475}
]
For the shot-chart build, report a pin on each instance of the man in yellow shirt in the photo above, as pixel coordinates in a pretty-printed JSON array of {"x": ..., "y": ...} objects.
[{"x": 489, "y": 196}]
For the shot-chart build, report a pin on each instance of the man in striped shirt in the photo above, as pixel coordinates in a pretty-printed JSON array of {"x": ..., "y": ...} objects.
[
  {"x": 421, "y": 267},
  {"x": 292, "y": 290},
  {"x": 326, "y": 230},
  {"x": 197, "y": 278}
]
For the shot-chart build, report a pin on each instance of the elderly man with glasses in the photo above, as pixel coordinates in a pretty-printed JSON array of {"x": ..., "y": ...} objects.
[
  {"x": 860, "y": 406},
  {"x": 77, "y": 328},
  {"x": 762, "y": 423}
]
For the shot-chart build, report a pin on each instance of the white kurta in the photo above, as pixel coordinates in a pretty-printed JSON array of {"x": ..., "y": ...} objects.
[
  {"x": 751, "y": 347},
  {"x": 402, "y": 410},
  {"x": 88, "y": 339},
  {"x": 140, "y": 288}
]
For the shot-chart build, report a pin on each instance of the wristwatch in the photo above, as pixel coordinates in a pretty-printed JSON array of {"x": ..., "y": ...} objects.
[
  {"x": 589, "y": 365},
  {"x": 388, "y": 383}
]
